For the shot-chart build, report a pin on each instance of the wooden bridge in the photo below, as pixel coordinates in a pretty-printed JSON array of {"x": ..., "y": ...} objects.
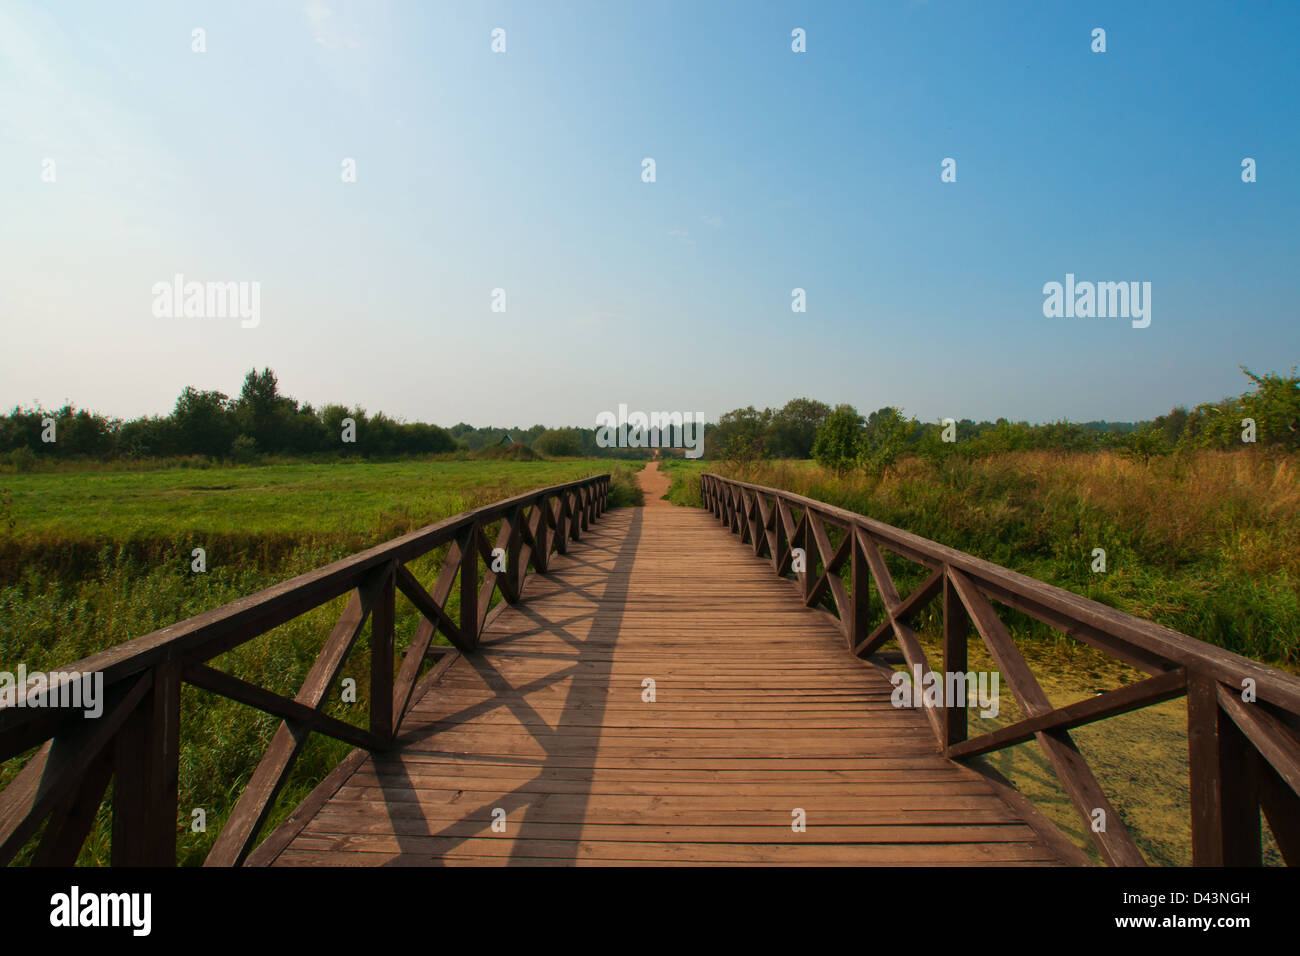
[{"x": 653, "y": 695}]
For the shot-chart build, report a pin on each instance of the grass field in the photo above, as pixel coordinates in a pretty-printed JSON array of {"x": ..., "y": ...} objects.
[{"x": 89, "y": 560}]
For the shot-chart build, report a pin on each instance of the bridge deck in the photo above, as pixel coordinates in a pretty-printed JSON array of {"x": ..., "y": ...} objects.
[{"x": 759, "y": 710}]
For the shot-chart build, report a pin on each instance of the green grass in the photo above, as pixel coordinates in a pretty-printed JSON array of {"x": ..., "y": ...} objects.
[
  {"x": 96, "y": 558},
  {"x": 685, "y": 474},
  {"x": 62, "y": 522}
]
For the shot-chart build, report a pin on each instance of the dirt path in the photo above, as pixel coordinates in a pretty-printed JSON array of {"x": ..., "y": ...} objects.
[{"x": 655, "y": 485}]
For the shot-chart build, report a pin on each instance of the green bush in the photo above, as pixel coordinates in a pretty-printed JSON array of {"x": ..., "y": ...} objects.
[
  {"x": 243, "y": 450},
  {"x": 839, "y": 440}
]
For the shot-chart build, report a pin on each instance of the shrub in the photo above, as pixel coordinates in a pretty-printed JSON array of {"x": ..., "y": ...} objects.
[
  {"x": 839, "y": 440},
  {"x": 23, "y": 459},
  {"x": 243, "y": 450}
]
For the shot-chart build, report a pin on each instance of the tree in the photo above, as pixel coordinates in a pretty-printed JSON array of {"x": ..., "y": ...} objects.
[
  {"x": 203, "y": 423},
  {"x": 839, "y": 440},
  {"x": 560, "y": 443},
  {"x": 1275, "y": 406},
  {"x": 1147, "y": 443},
  {"x": 263, "y": 414},
  {"x": 741, "y": 434},
  {"x": 1173, "y": 424},
  {"x": 794, "y": 427},
  {"x": 884, "y": 438}
]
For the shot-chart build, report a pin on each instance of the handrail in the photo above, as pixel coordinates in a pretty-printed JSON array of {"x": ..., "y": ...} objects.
[
  {"x": 135, "y": 740},
  {"x": 1243, "y": 716}
]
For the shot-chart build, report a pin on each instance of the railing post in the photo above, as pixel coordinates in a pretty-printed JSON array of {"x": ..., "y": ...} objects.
[
  {"x": 1224, "y": 786},
  {"x": 514, "y": 545},
  {"x": 561, "y": 523},
  {"x": 860, "y": 599},
  {"x": 809, "y": 544},
  {"x": 382, "y": 636},
  {"x": 542, "y": 543},
  {"x": 469, "y": 584},
  {"x": 956, "y": 632},
  {"x": 780, "y": 544},
  {"x": 147, "y": 773}
]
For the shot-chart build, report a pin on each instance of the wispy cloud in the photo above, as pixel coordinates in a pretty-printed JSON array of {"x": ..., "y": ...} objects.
[
  {"x": 714, "y": 221},
  {"x": 682, "y": 235}
]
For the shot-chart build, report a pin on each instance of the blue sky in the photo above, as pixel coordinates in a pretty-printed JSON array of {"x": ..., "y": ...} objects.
[{"x": 522, "y": 171}]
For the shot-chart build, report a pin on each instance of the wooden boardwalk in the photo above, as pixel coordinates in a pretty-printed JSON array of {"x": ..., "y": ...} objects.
[{"x": 759, "y": 711}]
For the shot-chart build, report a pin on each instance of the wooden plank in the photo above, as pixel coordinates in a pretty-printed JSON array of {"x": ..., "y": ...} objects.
[{"x": 758, "y": 711}]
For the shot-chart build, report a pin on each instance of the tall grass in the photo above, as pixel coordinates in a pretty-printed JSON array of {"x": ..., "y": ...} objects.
[{"x": 1207, "y": 543}]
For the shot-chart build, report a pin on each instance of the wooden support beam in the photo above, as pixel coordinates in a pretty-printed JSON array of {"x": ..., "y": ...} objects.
[
  {"x": 468, "y": 540},
  {"x": 1224, "y": 787},
  {"x": 227, "y": 685},
  {"x": 147, "y": 774},
  {"x": 57, "y": 769},
  {"x": 1276, "y": 742},
  {"x": 432, "y": 606},
  {"x": 237, "y": 837},
  {"x": 1113, "y": 840},
  {"x": 383, "y": 638},
  {"x": 1144, "y": 693},
  {"x": 71, "y": 821},
  {"x": 956, "y": 633},
  {"x": 860, "y": 606},
  {"x": 903, "y": 612}
]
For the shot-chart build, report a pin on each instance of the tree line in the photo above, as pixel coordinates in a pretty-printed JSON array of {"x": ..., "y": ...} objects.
[
  {"x": 259, "y": 422},
  {"x": 843, "y": 439}
]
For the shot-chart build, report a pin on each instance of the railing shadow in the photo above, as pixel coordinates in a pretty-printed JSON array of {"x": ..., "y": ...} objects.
[{"x": 570, "y": 749}]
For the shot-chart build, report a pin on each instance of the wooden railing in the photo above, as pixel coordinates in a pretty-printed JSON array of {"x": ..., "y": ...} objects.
[
  {"x": 135, "y": 741},
  {"x": 1243, "y": 753}
]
